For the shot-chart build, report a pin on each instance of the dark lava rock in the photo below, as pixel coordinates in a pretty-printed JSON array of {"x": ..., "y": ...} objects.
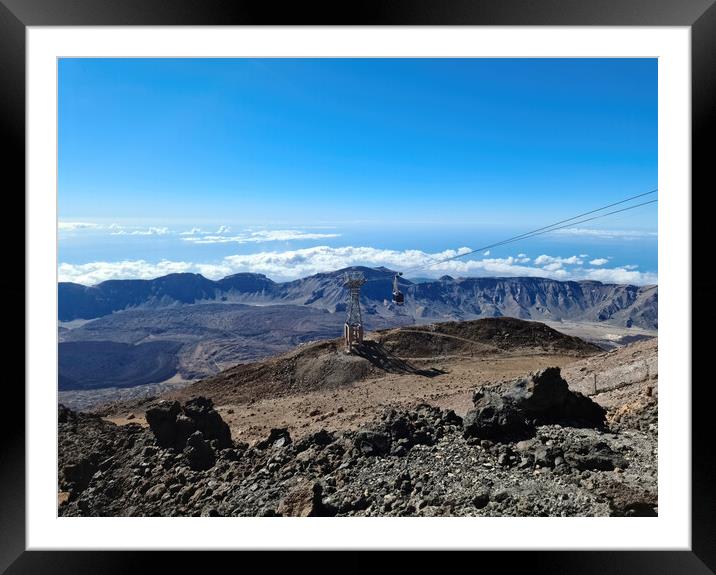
[
  {"x": 76, "y": 477},
  {"x": 230, "y": 454},
  {"x": 318, "y": 439},
  {"x": 481, "y": 499},
  {"x": 121, "y": 470},
  {"x": 449, "y": 417},
  {"x": 400, "y": 430},
  {"x": 65, "y": 414},
  {"x": 207, "y": 420},
  {"x": 422, "y": 426},
  {"x": 321, "y": 508},
  {"x": 512, "y": 411},
  {"x": 199, "y": 453},
  {"x": 173, "y": 424},
  {"x": 546, "y": 398},
  {"x": 279, "y": 437},
  {"x": 372, "y": 442},
  {"x": 595, "y": 457},
  {"x": 495, "y": 417},
  {"x": 321, "y": 438},
  {"x": 162, "y": 421},
  {"x": 183, "y": 428}
]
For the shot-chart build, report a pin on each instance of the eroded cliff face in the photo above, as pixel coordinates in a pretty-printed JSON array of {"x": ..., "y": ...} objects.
[{"x": 447, "y": 298}]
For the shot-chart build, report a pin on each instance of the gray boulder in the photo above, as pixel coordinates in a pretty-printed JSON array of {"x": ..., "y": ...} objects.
[
  {"x": 372, "y": 442},
  {"x": 597, "y": 456},
  {"x": 199, "y": 453},
  {"x": 173, "y": 424},
  {"x": 511, "y": 411},
  {"x": 162, "y": 421},
  {"x": 207, "y": 420},
  {"x": 279, "y": 437}
]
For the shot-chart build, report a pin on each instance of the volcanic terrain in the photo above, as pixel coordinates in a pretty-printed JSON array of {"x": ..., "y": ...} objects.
[
  {"x": 125, "y": 339},
  {"x": 487, "y": 417}
]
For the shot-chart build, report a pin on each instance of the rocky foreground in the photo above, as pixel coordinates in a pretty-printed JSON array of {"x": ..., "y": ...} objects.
[{"x": 529, "y": 447}]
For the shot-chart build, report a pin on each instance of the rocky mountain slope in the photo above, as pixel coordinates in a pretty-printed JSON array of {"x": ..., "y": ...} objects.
[
  {"x": 624, "y": 380},
  {"x": 446, "y": 298},
  {"x": 141, "y": 346},
  {"x": 523, "y": 447},
  {"x": 324, "y": 366}
]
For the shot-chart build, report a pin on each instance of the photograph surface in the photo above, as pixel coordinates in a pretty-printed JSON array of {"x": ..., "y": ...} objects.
[{"x": 357, "y": 287}]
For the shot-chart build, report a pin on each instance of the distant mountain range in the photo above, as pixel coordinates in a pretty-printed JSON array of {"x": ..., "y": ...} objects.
[
  {"x": 138, "y": 333},
  {"x": 444, "y": 299}
]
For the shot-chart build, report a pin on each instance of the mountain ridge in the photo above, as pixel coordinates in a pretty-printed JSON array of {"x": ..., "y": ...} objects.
[{"x": 448, "y": 298}]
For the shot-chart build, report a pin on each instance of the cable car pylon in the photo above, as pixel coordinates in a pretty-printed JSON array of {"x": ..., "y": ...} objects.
[
  {"x": 353, "y": 328},
  {"x": 398, "y": 297}
]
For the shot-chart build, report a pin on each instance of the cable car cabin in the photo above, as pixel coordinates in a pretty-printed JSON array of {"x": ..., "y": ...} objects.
[{"x": 398, "y": 297}]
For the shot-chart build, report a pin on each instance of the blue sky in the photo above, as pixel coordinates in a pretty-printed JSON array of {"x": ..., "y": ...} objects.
[{"x": 295, "y": 165}]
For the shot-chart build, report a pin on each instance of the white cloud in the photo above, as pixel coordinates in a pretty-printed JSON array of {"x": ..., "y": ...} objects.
[
  {"x": 259, "y": 237},
  {"x": 291, "y": 264},
  {"x": 153, "y": 231},
  {"x": 620, "y": 275},
  {"x": 599, "y": 262},
  {"x": 74, "y": 226},
  {"x": 198, "y": 236},
  {"x": 606, "y": 234},
  {"x": 298, "y": 263},
  {"x": 545, "y": 260},
  {"x": 191, "y": 232},
  {"x": 95, "y": 272},
  {"x": 115, "y": 229},
  {"x": 487, "y": 253}
]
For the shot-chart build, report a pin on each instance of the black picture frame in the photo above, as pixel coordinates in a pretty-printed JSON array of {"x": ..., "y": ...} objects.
[{"x": 699, "y": 15}]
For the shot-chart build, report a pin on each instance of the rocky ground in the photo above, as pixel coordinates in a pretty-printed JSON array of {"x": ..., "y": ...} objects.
[
  {"x": 317, "y": 385},
  {"x": 528, "y": 446},
  {"x": 623, "y": 380}
]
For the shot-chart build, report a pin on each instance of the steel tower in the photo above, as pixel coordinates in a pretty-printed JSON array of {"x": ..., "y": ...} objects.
[{"x": 353, "y": 329}]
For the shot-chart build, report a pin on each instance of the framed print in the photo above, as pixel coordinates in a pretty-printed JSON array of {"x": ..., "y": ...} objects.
[{"x": 306, "y": 280}]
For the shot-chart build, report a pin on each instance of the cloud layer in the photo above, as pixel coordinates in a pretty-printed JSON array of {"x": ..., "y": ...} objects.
[
  {"x": 119, "y": 231},
  {"x": 607, "y": 234},
  {"x": 258, "y": 237},
  {"x": 197, "y": 235},
  {"x": 291, "y": 264},
  {"x": 74, "y": 226},
  {"x": 95, "y": 272}
]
